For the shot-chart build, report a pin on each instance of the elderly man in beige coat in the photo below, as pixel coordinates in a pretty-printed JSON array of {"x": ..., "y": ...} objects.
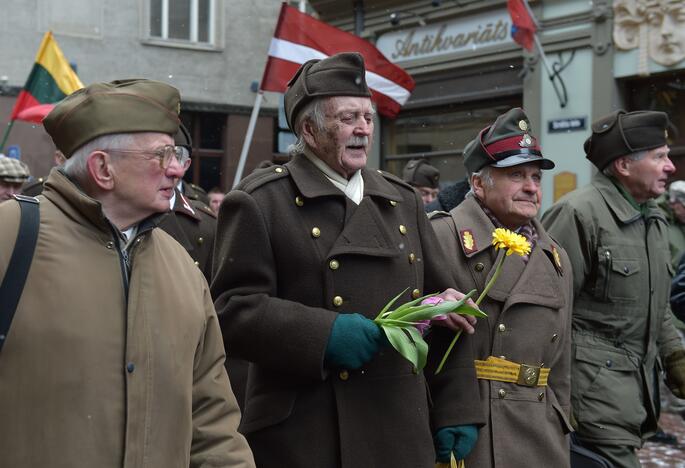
[
  {"x": 114, "y": 357},
  {"x": 523, "y": 347}
]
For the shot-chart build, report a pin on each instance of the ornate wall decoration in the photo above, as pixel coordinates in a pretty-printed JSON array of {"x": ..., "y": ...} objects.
[{"x": 655, "y": 27}]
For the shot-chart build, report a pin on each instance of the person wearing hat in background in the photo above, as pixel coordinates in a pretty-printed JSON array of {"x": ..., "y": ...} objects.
[
  {"x": 616, "y": 238},
  {"x": 34, "y": 187},
  {"x": 191, "y": 222},
  {"x": 529, "y": 308},
  {"x": 13, "y": 174},
  {"x": 114, "y": 356},
  {"x": 330, "y": 242},
  {"x": 425, "y": 178},
  {"x": 216, "y": 196},
  {"x": 673, "y": 205}
]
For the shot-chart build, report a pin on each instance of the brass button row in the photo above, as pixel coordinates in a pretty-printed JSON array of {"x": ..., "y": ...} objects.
[
  {"x": 299, "y": 201},
  {"x": 337, "y": 301},
  {"x": 501, "y": 328},
  {"x": 403, "y": 229},
  {"x": 412, "y": 258},
  {"x": 334, "y": 264},
  {"x": 316, "y": 232}
]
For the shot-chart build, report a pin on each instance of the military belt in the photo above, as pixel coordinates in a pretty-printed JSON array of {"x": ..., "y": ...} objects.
[{"x": 494, "y": 368}]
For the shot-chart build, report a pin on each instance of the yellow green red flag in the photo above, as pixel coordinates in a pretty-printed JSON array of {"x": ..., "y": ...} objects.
[{"x": 50, "y": 81}]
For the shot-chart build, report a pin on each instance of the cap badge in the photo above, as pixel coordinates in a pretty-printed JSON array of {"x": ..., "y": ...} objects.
[
  {"x": 526, "y": 141},
  {"x": 523, "y": 125},
  {"x": 467, "y": 241}
]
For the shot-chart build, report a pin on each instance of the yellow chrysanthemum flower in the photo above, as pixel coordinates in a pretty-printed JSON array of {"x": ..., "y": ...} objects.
[{"x": 514, "y": 243}]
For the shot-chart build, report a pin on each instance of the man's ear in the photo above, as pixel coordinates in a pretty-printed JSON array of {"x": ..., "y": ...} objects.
[
  {"x": 308, "y": 133},
  {"x": 477, "y": 185},
  {"x": 621, "y": 166},
  {"x": 99, "y": 165}
]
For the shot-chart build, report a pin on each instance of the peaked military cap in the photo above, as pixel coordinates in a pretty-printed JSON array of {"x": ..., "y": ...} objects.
[
  {"x": 13, "y": 171},
  {"x": 419, "y": 173},
  {"x": 125, "y": 106},
  {"x": 338, "y": 75},
  {"x": 621, "y": 133},
  {"x": 507, "y": 142}
]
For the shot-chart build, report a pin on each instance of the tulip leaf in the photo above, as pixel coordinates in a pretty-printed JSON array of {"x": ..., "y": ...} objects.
[
  {"x": 399, "y": 340},
  {"x": 389, "y": 304},
  {"x": 421, "y": 347},
  {"x": 397, "y": 313}
]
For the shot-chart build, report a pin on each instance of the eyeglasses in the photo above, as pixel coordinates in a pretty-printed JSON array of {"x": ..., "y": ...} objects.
[{"x": 165, "y": 154}]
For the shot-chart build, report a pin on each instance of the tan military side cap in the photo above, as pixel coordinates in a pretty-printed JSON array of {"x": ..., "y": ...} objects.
[
  {"x": 621, "y": 133},
  {"x": 419, "y": 173},
  {"x": 341, "y": 74},
  {"x": 13, "y": 171},
  {"x": 124, "y": 106}
]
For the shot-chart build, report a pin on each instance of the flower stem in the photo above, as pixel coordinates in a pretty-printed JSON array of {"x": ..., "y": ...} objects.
[{"x": 495, "y": 275}]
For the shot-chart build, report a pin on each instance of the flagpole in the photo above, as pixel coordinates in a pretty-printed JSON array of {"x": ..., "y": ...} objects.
[
  {"x": 7, "y": 134},
  {"x": 248, "y": 137},
  {"x": 551, "y": 74}
]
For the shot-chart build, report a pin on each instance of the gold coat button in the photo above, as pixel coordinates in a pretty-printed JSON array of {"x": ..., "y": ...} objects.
[
  {"x": 316, "y": 232},
  {"x": 299, "y": 201},
  {"x": 416, "y": 294},
  {"x": 541, "y": 396},
  {"x": 403, "y": 229},
  {"x": 110, "y": 245},
  {"x": 393, "y": 203},
  {"x": 554, "y": 337},
  {"x": 344, "y": 375},
  {"x": 502, "y": 393},
  {"x": 479, "y": 266},
  {"x": 333, "y": 264},
  {"x": 501, "y": 327},
  {"x": 278, "y": 169},
  {"x": 197, "y": 264},
  {"x": 200, "y": 240},
  {"x": 337, "y": 301},
  {"x": 412, "y": 258}
]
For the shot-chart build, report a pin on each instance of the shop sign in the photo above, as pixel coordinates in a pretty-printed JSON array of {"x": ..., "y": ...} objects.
[
  {"x": 566, "y": 125},
  {"x": 466, "y": 34}
]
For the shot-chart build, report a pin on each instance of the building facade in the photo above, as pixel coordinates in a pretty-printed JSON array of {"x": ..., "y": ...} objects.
[{"x": 214, "y": 51}]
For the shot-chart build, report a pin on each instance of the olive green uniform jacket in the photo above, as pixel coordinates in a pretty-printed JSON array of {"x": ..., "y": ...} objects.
[
  {"x": 288, "y": 243},
  {"x": 529, "y": 321},
  {"x": 97, "y": 374},
  {"x": 193, "y": 225},
  {"x": 622, "y": 322}
]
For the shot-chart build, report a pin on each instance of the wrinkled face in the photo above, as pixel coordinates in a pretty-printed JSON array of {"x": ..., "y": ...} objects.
[
  {"x": 346, "y": 138},
  {"x": 666, "y": 20},
  {"x": 215, "y": 200},
  {"x": 7, "y": 189},
  {"x": 428, "y": 194},
  {"x": 514, "y": 193},
  {"x": 647, "y": 178},
  {"x": 141, "y": 186}
]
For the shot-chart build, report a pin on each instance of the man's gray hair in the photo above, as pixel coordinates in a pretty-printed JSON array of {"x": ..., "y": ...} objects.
[
  {"x": 76, "y": 166},
  {"x": 609, "y": 170},
  {"x": 314, "y": 112}
]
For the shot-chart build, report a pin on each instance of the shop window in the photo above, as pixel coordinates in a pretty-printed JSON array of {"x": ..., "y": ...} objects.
[
  {"x": 208, "y": 130},
  {"x": 664, "y": 93},
  {"x": 438, "y": 135},
  {"x": 187, "y": 21}
]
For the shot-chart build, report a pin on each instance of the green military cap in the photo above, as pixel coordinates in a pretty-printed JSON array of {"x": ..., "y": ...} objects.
[
  {"x": 507, "y": 142},
  {"x": 621, "y": 133},
  {"x": 338, "y": 75},
  {"x": 13, "y": 171},
  {"x": 419, "y": 173},
  {"x": 125, "y": 106}
]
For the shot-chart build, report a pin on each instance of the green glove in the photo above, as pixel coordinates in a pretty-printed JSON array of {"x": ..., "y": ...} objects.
[
  {"x": 675, "y": 372},
  {"x": 457, "y": 439},
  {"x": 354, "y": 341}
]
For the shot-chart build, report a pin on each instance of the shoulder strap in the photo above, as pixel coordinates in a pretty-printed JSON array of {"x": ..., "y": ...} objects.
[{"x": 20, "y": 262}]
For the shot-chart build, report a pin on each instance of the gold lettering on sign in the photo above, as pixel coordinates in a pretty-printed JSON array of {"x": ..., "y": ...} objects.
[{"x": 409, "y": 47}]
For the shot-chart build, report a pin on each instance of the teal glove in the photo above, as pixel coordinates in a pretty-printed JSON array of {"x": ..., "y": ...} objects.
[
  {"x": 457, "y": 439},
  {"x": 354, "y": 341}
]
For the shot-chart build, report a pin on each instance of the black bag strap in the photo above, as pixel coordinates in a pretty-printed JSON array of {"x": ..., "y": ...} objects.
[{"x": 20, "y": 262}]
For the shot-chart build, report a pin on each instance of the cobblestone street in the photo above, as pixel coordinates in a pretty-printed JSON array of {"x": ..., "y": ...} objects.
[{"x": 655, "y": 455}]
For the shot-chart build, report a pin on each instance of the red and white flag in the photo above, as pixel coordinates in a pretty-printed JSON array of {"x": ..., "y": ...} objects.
[{"x": 299, "y": 37}]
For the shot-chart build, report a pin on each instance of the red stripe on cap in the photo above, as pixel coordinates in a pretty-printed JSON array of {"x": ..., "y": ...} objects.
[{"x": 511, "y": 144}]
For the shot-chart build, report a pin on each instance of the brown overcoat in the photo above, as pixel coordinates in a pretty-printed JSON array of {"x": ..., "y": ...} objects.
[
  {"x": 529, "y": 322},
  {"x": 289, "y": 243},
  {"x": 193, "y": 225},
  {"x": 95, "y": 374}
]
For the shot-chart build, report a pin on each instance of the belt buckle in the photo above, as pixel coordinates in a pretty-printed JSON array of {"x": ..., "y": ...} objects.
[{"x": 528, "y": 375}]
